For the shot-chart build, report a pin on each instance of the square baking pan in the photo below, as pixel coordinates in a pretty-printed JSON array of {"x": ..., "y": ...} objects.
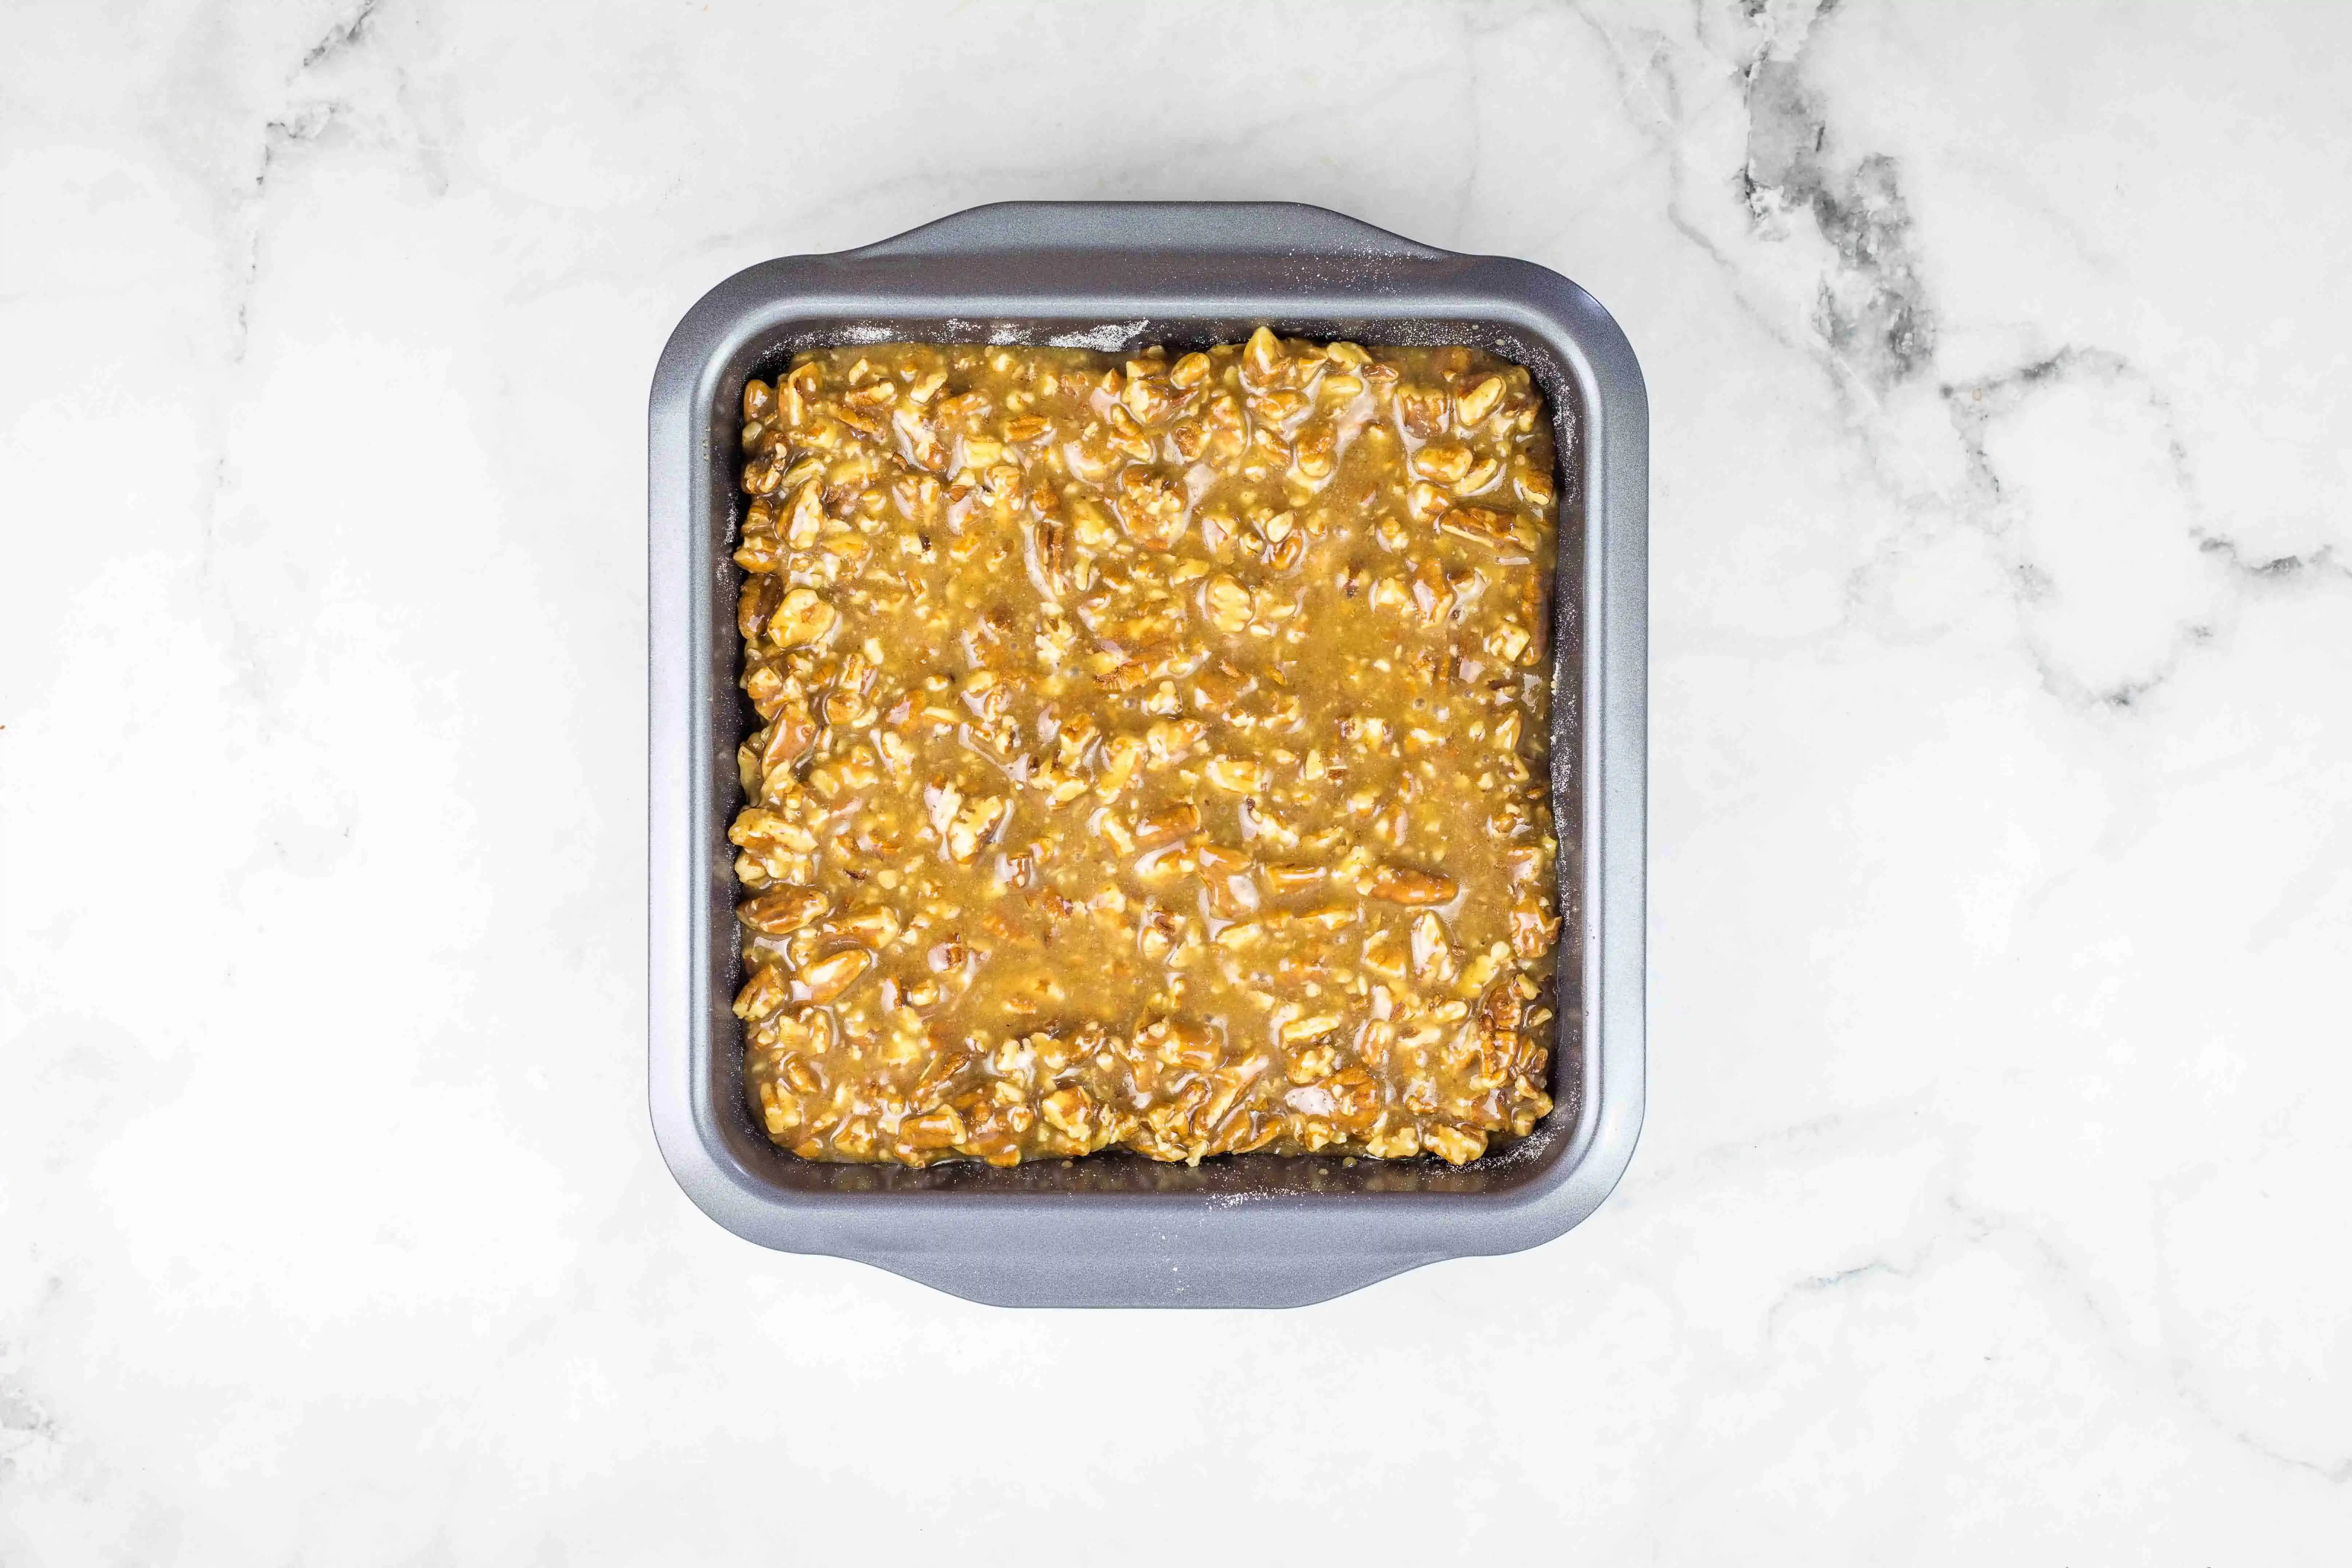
[{"x": 1116, "y": 1229}]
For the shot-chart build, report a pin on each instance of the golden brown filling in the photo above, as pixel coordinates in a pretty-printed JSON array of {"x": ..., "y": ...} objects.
[{"x": 1154, "y": 751}]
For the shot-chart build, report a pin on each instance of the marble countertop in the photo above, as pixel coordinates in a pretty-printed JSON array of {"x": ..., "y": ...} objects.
[{"x": 1990, "y": 1203}]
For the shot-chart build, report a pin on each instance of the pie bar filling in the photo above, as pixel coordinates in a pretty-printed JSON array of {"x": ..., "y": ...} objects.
[{"x": 1152, "y": 753}]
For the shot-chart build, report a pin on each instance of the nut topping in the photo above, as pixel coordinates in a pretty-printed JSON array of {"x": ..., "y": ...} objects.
[{"x": 1151, "y": 752}]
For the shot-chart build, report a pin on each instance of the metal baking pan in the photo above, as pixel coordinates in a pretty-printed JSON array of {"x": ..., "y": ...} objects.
[{"x": 1112, "y": 1229}]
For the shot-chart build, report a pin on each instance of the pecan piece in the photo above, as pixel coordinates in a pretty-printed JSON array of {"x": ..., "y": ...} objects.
[
  {"x": 1486, "y": 526},
  {"x": 1455, "y": 1145},
  {"x": 756, "y": 604},
  {"x": 828, "y": 977},
  {"x": 762, "y": 994},
  {"x": 1404, "y": 885},
  {"x": 1474, "y": 403},
  {"x": 782, "y": 911},
  {"x": 940, "y": 1128},
  {"x": 1534, "y": 928},
  {"x": 1226, "y": 603},
  {"x": 1152, "y": 507},
  {"x": 1236, "y": 776},
  {"x": 1166, "y": 826},
  {"x": 803, "y": 617}
]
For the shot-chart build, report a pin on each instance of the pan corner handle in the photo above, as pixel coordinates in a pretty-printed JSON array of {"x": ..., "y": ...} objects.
[{"x": 1233, "y": 227}]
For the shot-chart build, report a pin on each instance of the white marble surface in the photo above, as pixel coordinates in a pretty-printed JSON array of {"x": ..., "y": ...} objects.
[{"x": 1991, "y": 1205}]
